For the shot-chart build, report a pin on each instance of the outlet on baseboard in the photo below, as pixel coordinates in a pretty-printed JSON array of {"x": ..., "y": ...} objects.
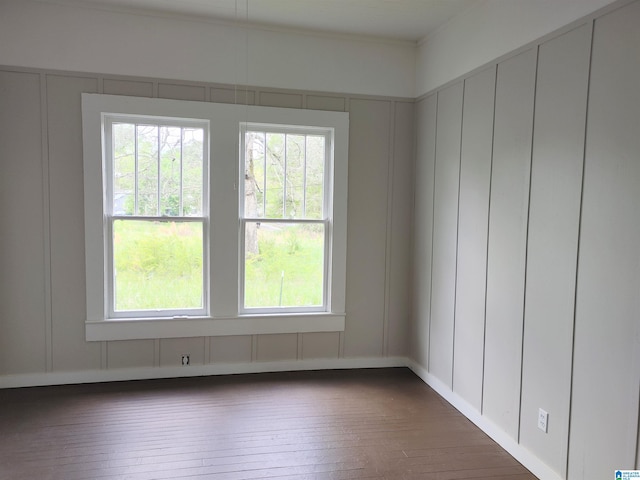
[
  {"x": 186, "y": 360},
  {"x": 543, "y": 420}
]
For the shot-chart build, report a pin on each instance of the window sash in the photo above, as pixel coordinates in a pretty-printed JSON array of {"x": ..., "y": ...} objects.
[
  {"x": 327, "y": 184},
  {"x": 326, "y": 273},
  {"x": 110, "y": 217},
  {"x": 136, "y": 120},
  {"x": 158, "y": 312},
  {"x": 327, "y": 209}
]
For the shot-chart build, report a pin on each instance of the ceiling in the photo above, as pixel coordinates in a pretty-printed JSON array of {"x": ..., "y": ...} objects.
[{"x": 405, "y": 20}]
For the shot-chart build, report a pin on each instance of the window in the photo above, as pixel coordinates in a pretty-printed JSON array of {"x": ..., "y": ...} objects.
[
  {"x": 285, "y": 215},
  {"x": 156, "y": 216},
  {"x": 206, "y": 219}
]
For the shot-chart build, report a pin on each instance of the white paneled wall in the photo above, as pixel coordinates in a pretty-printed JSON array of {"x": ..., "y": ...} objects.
[
  {"x": 70, "y": 351},
  {"x": 607, "y": 345},
  {"x": 556, "y": 182},
  {"x": 22, "y": 244},
  {"x": 367, "y": 235},
  {"x": 423, "y": 227},
  {"x": 399, "y": 247},
  {"x": 42, "y": 296},
  {"x": 545, "y": 216},
  {"x": 518, "y": 260},
  {"x": 445, "y": 220},
  {"x": 473, "y": 224},
  {"x": 508, "y": 215}
]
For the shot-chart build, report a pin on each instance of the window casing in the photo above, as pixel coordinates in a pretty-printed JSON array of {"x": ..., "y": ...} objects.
[{"x": 222, "y": 310}]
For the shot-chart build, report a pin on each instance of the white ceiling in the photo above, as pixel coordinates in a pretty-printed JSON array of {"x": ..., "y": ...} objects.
[{"x": 407, "y": 20}]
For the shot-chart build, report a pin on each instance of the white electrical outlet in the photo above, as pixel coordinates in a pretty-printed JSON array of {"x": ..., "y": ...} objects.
[
  {"x": 543, "y": 420},
  {"x": 186, "y": 360}
]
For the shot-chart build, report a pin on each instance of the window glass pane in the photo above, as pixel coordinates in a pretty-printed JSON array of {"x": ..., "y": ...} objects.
[
  {"x": 157, "y": 265},
  {"x": 254, "y": 174},
  {"x": 192, "y": 173},
  {"x": 124, "y": 168},
  {"x": 147, "y": 136},
  {"x": 170, "y": 171},
  {"x": 284, "y": 175},
  {"x": 275, "y": 150},
  {"x": 294, "y": 185},
  {"x": 314, "y": 192},
  {"x": 284, "y": 264}
]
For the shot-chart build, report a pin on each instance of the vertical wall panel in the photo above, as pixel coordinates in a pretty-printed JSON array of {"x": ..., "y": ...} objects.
[
  {"x": 401, "y": 216},
  {"x": 232, "y": 349},
  {"x": 321, "y": 102},
  {"x": 280, "y": 99},
  {"x": 172, "y": 349},
  {"x": 181, "y": 92},
  {"x": 507, "y": 239},
  {"x": 277, "y": 347},
  {"x": 320, "y": 345},
  {"x": 445, "y": 232},
  {"x": 604, "y": 411},
  {"x": 366, "y": 239},
  {"x": 68, "y": 309},
  {"x": 130, "y": 353},
  {"x": 22, "y": 262},
  {"x": 127, "y": 87},
  {"x": 556, "y": 184},
  {"x": 233, "y": 95},
  {"x": 423, "y": 227},
  {"x": 473, "y": 225}
]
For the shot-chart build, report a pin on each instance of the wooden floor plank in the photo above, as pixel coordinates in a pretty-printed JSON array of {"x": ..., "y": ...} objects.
[{"x": 381, "y": 424}]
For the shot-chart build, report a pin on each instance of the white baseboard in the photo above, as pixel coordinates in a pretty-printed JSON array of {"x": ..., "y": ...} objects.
[
  {"x": 530, "y": 461},
  {"x": 517, "y": 451},
  {"x": 148, "y": 373}
]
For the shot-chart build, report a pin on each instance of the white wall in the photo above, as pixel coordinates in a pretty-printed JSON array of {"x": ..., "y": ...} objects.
[
  {"x": 52, "y": 53},
  {"x": 423, "y": 228},
  {"x": 569, "y": 339},
  {"x": 42, "y": 271},
  {"x": 488, "y": 30},
  {"x": 46, "y": 35},
  {"x": 554, "y": 213},
  {"x": 445, "y": 231},
  {"x": 546, "y": 211},
  {"x": 608, "y": 282},
  {"x": 43, "y": 35}
]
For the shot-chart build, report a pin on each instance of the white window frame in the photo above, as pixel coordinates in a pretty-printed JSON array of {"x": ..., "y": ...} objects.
[
  {"x": 110, "y": 217},
  {"x": 327, "y": 218},
  {"x": 223, "y": 316}
]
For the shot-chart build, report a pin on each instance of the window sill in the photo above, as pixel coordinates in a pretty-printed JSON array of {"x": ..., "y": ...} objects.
[{"x": 144, "y": 328}]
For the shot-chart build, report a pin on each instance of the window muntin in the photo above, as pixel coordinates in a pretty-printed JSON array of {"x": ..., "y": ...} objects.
[
  {"x": 156, "y": 212},
  {"x": 285, "y": 218}
]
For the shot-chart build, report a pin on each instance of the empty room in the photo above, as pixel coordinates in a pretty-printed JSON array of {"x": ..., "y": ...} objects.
[{"x": 322, "y": 239}]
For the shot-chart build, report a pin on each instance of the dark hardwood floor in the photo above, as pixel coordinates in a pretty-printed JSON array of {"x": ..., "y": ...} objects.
[{"x": 356, "y": 424}]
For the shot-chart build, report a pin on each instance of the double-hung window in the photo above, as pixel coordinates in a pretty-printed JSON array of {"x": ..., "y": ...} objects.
[
  {"x": 156, "y": 216},
  {"x": 206, "y": 219},
  {"x": 285, "y": 213}
]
